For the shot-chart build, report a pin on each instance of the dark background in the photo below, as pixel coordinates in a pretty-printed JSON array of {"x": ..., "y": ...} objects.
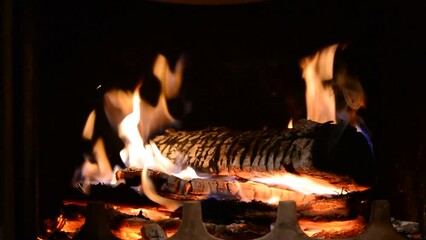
[
  {"x": 242, "y": 72},
  {"x": 242, "y": 66}
]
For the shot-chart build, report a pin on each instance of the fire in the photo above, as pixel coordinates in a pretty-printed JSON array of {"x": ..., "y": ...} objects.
[
  {"x": 290, "y": 124},
  {"x": 96, "y": 167},
  {"x": 317, "y": 70},
  {"x": 135, "y": 119},
  {"x": 135, "y": 128},
  {"x": 302, "y": 184},
  {"x": 324, "y": 92}
]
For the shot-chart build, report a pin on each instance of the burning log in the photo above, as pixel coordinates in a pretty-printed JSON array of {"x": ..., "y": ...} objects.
[
  {"x": 222, "y": 188},
  {"x": 223, "y": 152},
  {"x": 311, "y": 148},
  {"x": 230, "y": 192}
]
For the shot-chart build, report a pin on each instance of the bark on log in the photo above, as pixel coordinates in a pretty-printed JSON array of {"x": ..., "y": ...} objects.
[
  {"x": 310, "y": 147},
  {"x": 222, "y": 151}
]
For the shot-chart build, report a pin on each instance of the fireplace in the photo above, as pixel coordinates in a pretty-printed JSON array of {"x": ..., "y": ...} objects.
[{"x": 242, "y": 72}]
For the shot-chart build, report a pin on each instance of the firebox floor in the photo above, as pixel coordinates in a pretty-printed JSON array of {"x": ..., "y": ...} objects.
[{"x": 126, "y": 222}]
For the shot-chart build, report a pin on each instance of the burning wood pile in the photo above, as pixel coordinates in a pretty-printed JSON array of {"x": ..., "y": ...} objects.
[
  {"x": 324, "y": 165},
  {"x": 265, "y": 165},
  {"x": 248, "y": 173}
]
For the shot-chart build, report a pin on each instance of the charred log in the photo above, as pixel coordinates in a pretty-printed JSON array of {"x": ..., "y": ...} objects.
[
  {"x": 308, "y": 147},
  {"x": 222, "y": 151},
  {"x": 220, "y": 187},
  {"x": 252, "y": 197}
]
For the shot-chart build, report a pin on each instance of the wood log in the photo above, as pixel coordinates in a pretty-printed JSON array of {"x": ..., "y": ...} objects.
[
  {"x": 324, "y": 150},
  {"x": 222, "y": 188},
  {"x": 222, "y": 151},
  {"x": 219, "y": 186},
  {"x": 311, "y": 206}
]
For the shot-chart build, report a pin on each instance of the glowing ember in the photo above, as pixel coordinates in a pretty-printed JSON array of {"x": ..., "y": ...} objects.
[
  {"x": 72, "y": 225},
  {"x": 130, "y": 224},
  {"x": 317, "y": 228}
]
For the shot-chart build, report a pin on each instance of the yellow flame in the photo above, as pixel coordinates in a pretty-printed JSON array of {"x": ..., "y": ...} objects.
[
  {"x": 155, "y": 118},
  {"x": 117, "y": 105},
  {"x": 99, "y": 170},
  {"x": 134, "y": 119},
  {"x": 302, "y": 184},
  {"x": 135, "y": 128},
  {"x": 89, "y": 126},
  {"x": 138, "y": 154},
  {"x": 290, "y": 124},
  {"x": 320, "y": 99},
  {"x": 273, "y": 200},
  {"x": 187, "y": 174}
]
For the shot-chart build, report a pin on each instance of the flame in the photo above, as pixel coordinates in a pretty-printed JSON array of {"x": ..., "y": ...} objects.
[
  {"x": 274, "y": 200},
  {"x": 146, "y": 156},
  {"x": 135, "y": 119},
  {"x": 96, "y": 167},
  {"x": 317, "y": 69},
  {"x": 89, "y": 126},
  {"x": 302, "y": 184},
  {"x": 323, "y": 104},
  {"x": 290, "y": 124},
  {"x": 135, "y": 128}
]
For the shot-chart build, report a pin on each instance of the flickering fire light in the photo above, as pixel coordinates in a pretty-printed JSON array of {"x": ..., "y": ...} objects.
[{"x": 134, "y": 119}]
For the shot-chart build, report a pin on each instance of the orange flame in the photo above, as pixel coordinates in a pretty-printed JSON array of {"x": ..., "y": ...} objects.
[
  {"x": 321, "y": 97},
  {"x": 302, "y": 184},
  {"x": 317, "y": 69},
  {"x": 290, "y": 124},
  {"x": 89, "y": 126},
  {"x": 134, "y": 119},
  {"x": 135, "y": 128},
  {"x": 98, "y": 171}
]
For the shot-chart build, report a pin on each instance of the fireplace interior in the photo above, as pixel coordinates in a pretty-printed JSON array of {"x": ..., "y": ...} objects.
[{"x": 241, "y": 72}]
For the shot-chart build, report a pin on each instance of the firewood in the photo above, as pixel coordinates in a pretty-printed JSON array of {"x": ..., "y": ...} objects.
[
  {"x": 309, "y": 148},
  {"x": 222, "y": 151},
  {"x": 326, "y": 209},
  {"x": 222, "y": 188},
  {"x": 234, "y": 191}
]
